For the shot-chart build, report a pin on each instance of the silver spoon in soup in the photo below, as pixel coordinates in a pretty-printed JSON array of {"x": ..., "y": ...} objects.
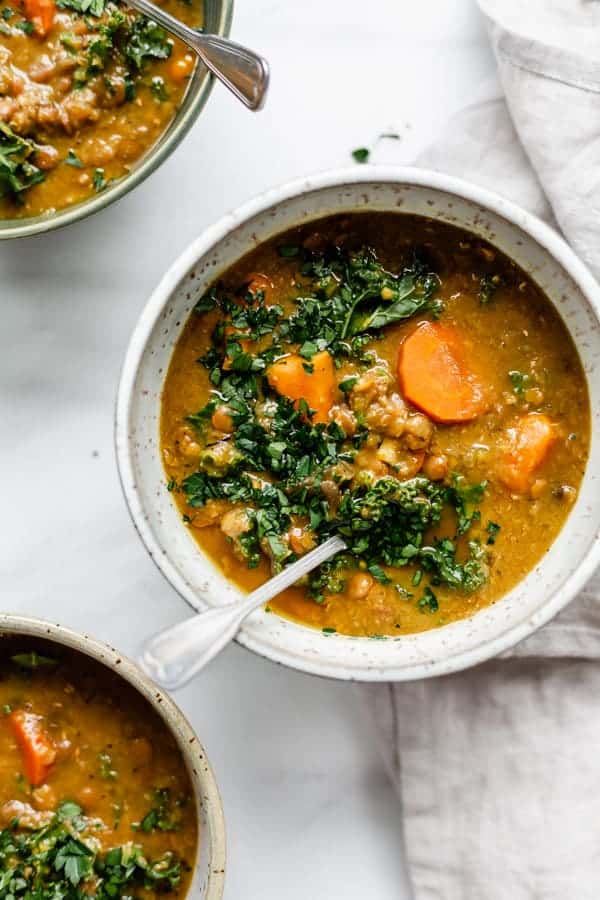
[
  {"x": 243, "y": 71},
  {"x": 175, "y": 655}
]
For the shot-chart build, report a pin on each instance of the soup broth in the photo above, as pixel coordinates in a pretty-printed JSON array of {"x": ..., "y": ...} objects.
[
  {"x": 88, "y": 773},
  {"x": 390, "y": 378}
]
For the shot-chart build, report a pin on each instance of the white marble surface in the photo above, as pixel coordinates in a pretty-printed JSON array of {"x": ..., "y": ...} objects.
[{"x": 309, "y": 809}]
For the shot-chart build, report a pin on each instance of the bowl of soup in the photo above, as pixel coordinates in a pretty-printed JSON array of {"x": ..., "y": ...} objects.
[
  {"x": 392, "y": 355},
  {"x": 105, "y": 789},
  {"x": 93, "y": 97}
]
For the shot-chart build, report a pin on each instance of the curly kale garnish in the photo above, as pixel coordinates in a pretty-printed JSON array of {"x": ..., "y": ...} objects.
[
  {"x": 346, "y": 298},
  {"x": 352, "y": 293},
  {"x": 343, "y": 300}
]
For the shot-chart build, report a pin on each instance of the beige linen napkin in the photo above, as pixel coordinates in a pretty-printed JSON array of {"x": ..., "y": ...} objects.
[{"x": 498, "y": 767}]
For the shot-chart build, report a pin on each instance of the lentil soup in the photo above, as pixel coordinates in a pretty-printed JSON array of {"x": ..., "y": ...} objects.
[
  {"x": 86, "y": 88},
  {"x": 94, "y": 795},
  {"x": 390, "y": 378}
]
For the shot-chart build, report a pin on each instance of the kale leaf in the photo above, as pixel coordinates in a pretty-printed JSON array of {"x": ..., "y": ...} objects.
[{"x": 17, "y": 171}]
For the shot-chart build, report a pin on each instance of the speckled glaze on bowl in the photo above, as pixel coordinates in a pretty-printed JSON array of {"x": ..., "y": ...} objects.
[
  {"x": 538, "y": 249},
  {"x": 209, "y": 874},
  {"x": 217, "y": 20}
]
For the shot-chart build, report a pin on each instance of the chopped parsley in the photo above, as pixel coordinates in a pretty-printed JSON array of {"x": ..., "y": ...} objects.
[
  {"x": 34, "y": 660},
  {"x": 158, "y": 89},
  {"x": 492, "y": 529},
  {"x": 519, "y": 381},
  {"x": 164, "y": 815},
  {"x": 55, "y": 861},
  {"x": 99, "y": 181},
  {"x": 89, "y": 7},
  {"x": 488, "y": 286},
  {"x": 106, "y": 768},
  {"x": 72, "y": 159},
  {"x": 361, "y": 155},
  {"x": 428, "y": 602}
]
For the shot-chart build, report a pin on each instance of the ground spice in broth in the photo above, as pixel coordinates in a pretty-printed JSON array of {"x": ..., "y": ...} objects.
[
  {"x": 94, "y": 794},
  {"x": 395, "y": 379}
]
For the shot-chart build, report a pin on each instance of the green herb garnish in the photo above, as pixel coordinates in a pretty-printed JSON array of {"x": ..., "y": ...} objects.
[
  {"x": 34, "y": 660},
  {"x": 17, "y": 170},
  {"x": 361, "y": 155}
]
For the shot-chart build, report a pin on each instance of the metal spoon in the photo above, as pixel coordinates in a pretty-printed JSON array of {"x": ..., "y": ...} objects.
[
  {"x": 244, "y": 72},
  {"x": 175, "y": 655}
]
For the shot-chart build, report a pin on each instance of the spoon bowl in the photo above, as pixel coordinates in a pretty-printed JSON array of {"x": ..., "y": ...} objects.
[{"x": 176, "y": 654}]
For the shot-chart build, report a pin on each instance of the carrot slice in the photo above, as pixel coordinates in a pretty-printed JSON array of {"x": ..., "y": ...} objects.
[
  {"x": 289, "y": 377},
  {"x": 37, "y": 750},
  {"x": 528, "y": 444},
  {"x": 434, "y": 377},
  {"x": 41, "y": 14}
]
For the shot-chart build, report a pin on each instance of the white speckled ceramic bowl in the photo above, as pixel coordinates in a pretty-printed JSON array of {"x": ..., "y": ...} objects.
[
  {"x": 537, "y": 248},
  {"x": 209, "y": 873}
]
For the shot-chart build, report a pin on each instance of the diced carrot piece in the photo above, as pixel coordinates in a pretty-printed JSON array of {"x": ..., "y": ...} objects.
[
  {"x": 289, "y": 377},
  {"x": 41, "y": 13},
  {"x": 528, "y": 444},
  {"x": 37, "y": 750},
  {"x": 434, "y": 376}
]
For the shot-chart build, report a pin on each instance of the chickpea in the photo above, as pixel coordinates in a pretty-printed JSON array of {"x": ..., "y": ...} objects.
[
  {"x": 44, "y": 798},
  {"x": 534, "y": 396},
  {"x": 436, "y": 466},
  {"x": 88, "y": 797},
  {"x": 418, "y": 431},
  {"x": 221, "y": 419},
  {"x": 187, "y": 444},
  {"x": 359, "y": 585},
  {"x": 344, "y": 418},
  {"x": 46, "y": 157},
  {"x": 181, "y": 67},
  {"x": 301, "y": 541}
]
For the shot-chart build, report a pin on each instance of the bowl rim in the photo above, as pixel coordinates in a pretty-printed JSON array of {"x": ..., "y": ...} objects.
[
  {"x": 549, "y": 239},
  {"x": 151, "y": 160},
  {"x": 194, "y": 755}
]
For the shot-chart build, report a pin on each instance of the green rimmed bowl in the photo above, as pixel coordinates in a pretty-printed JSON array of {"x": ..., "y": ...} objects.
[{"x": 217, "y": 20}]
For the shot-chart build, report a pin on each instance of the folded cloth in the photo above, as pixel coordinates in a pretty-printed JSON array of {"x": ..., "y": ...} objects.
[{"x": 498, "y": 767}]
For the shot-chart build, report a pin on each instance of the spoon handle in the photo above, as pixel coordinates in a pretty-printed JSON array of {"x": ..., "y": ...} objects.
[
  {"x": 175, "y": 655},
  {"x": 244, "y": 72}
]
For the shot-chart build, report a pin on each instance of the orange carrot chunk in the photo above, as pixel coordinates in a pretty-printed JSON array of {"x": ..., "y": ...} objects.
[
  {"x": 434, "y": 377},
  {"x": 41, "y": 14},
  {"x": 528, "y": 444},
  {"x": 317, "y": 387},
  {"x": 37, "y": 750}
]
